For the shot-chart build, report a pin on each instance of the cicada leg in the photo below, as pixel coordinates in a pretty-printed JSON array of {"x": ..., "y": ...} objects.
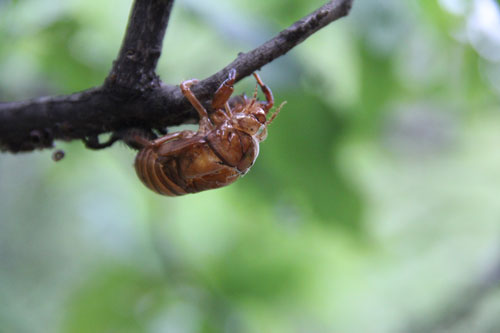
[
  {"x": 263, "y": 135},
  {"x": 267, "y": 92},
  {"x": 171, "y": 136},
  {"x": 275, "y": 113},
  {"x": 224, "y": 92},
  {"x": 205, "y": 123},
  {"x": 140, "y": 142}
]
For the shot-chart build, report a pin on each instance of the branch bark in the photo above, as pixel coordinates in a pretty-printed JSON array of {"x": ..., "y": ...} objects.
[
  {"x": 132, "y": 95},
  {"x": 135, "y": 66}
]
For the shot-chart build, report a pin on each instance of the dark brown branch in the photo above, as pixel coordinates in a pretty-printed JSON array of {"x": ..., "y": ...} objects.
[
  {"x": 132, "y": 95},
  {"x": 141, "y": 47}
]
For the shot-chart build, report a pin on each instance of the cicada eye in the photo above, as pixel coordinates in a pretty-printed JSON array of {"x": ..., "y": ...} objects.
[{"x": 260, "y": 116}]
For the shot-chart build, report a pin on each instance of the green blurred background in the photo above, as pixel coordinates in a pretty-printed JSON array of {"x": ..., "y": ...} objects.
[{"x": 374, "y": 205}]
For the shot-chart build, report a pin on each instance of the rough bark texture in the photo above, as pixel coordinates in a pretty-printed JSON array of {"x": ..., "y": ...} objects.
[{"x": 132, "y": 95}]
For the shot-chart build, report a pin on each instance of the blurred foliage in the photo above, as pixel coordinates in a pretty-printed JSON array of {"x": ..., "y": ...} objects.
[{"x": 373, "y": 206}]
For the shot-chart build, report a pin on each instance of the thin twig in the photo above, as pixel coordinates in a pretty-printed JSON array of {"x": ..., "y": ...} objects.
[
  {"x": 462, "y": 307},
  {"x": 247, "y": 63}
]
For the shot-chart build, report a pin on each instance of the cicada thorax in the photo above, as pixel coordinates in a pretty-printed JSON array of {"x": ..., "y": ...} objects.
[{"x": 233, "y": 147}]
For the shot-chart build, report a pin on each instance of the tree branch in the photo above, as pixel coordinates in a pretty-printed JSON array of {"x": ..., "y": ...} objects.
[
  {"x": 141, "y": 47},
  {"x": 133, "y": 96},
  {"x": 463, "y": 305},
  {"x": 246, "y": 63}
]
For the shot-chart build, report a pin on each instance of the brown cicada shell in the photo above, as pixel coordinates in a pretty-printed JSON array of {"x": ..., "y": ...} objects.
[{"x": 223, "y": 149}]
